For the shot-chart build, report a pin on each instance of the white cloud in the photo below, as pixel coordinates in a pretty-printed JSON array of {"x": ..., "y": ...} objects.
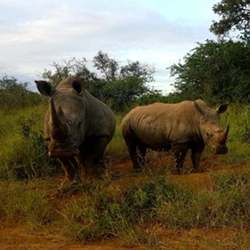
[{"x": 32, "y": 37}]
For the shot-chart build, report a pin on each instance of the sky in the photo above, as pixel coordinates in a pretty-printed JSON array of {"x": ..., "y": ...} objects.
[{"x": 34, "y": 34}]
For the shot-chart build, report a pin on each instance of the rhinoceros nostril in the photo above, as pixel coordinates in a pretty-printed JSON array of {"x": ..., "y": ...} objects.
[{"x": 222, "y": 150}]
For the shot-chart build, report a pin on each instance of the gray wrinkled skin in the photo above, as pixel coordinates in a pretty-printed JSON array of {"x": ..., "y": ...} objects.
[
  {"x": 179, "y": 127},
  {"x": 77, "y": 127}
]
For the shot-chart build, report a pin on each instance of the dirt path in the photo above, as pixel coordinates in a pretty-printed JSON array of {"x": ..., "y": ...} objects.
[
  {"x": 164, "y": 164},
  {"x": 22, "y": 238},
  {"x": 19, "y": 237}
]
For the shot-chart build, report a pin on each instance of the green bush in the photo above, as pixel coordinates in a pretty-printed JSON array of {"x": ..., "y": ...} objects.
[
  {"x": 19, "y": 204},
  {"x": 238, "y": 118},
  {"x": 23, "y": 151},
  {"x": 15, "y": 94},
  {"x": 101, "y": 211}
]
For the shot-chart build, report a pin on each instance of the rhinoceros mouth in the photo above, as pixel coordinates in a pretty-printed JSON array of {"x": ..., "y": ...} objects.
[
  {"x": 64, "y": 152},
  {"x": 221, "y": 150}
]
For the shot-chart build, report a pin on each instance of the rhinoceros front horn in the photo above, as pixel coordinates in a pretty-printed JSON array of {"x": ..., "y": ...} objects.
[
  {"x": 226, "y": 132},
  {"x": 56, "y": 122}
]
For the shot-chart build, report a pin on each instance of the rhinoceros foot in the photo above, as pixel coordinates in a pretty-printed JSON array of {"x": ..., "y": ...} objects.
[{"x": 198, "y": 170}]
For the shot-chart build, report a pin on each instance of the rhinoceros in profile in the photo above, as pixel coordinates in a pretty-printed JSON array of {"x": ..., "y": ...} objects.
[
  {"x": 179, "y": 127},
  {"x": 78, "y": 126}
]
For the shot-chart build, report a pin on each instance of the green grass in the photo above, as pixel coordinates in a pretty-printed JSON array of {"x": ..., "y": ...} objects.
[
  {"x": 20, "y": 203},
  {"x": 117, "y": 147},
  {"x": 22, "y": 148},
  {"x": 238, "y": 117},
  {"x": 98, "y": 212}
]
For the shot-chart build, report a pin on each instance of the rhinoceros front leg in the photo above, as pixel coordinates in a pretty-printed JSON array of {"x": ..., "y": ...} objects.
[
  {"x": 132, "y": 149},
  {"x": 95, "y": 155},
  {"x": 180, "y": 152},
  {"x": 196, "y": 156},
  {"x": 71, "y": 170},
  {"x": 132, "y": 145}
]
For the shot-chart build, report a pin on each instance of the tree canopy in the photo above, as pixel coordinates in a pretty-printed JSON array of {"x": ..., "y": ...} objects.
[
  {"x": 14, "y": 94},
  {"x": 215, "y": 71},
  {"x": 219, "y": 70},
  {"x": 118, "y": 85},
  {"x": 234, "y": 16}
]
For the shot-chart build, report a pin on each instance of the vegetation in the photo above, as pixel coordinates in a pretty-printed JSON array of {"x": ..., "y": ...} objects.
[
  {"x": 216, "y": 71},
  {"x": 15, "y": 95},
  {"x": 104, "y": 210},
  {"x": 115, "y": 84},
  {"x": 235, "y": 16},
  {"x": 23, "y": 153}
]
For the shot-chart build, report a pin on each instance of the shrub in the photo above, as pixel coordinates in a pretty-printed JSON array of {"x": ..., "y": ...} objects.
[
  {"x": 23, "y": 151},
  {"x": 19, "y": 204}
]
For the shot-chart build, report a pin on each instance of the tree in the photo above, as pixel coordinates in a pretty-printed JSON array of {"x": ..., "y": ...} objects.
[
  {"x": 235, "y": 15},
  {"x": 106, "y": 65},
  {"x": 115, "y": 84},
  {"x": 215, "y": 71},
  {"x": 14, "y": 94},
  {"x": 68, "y": 68}
]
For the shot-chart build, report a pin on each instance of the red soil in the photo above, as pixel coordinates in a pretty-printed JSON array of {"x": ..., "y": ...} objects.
[{"x": 15, "y": 237}]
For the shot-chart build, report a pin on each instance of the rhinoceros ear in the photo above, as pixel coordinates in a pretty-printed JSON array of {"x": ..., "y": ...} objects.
[
  {"x": 77, "y": 85},
  {"x": 45, "y": 88},
  {"x": 222, "y": 108},
  {"x": 199, "y": 105}
]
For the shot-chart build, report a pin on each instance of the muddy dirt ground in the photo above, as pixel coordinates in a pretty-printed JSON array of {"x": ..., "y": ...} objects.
[{"x": 19, "y": 237}]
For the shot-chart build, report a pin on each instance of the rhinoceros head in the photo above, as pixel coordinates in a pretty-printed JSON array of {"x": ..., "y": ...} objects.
[
  {"x": 212, "y": 133},
  {"x": 66, "y": 117}
]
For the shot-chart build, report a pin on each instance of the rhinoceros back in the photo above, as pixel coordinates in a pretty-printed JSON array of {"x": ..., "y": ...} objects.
[{"x": 160, "y": 123}]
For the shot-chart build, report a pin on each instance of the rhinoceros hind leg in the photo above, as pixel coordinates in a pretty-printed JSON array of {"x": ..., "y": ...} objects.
[{"x": 71, "y": 170}]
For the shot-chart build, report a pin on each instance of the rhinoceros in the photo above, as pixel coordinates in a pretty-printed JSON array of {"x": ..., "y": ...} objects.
[
  {"x": 77, "y": 126},
  {"x": 179, "y": 127}
]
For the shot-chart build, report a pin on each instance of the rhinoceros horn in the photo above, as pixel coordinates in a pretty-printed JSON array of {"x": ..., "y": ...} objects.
[
  {"x": 226, "y": 132},
  {"x": 57, "y": 124}
]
